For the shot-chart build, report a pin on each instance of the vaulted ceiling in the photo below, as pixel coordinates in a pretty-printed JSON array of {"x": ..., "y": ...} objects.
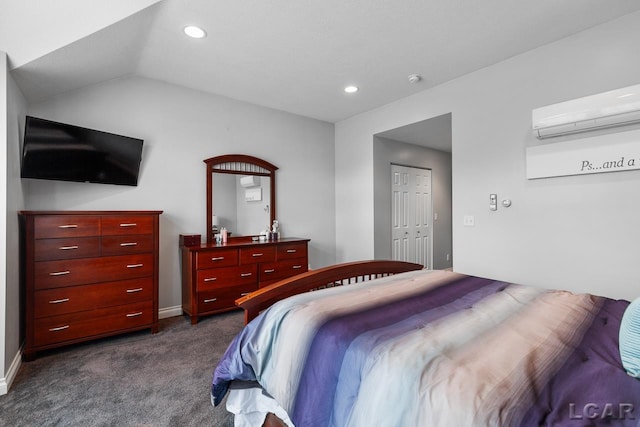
[{"x": 297, "y": 56}]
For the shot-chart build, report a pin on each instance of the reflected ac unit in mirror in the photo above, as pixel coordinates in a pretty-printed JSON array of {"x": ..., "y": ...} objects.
[
  {"x": 618, "y": 107},
  {"x": 250, "y": 181}
]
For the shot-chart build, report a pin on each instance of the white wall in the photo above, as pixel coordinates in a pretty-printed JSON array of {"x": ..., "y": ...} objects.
[
  {"x": 12, "y": 110},
  {"x": 181, "y": 128},
  {"x": 3, "y": 217},
  {"x": 576, "y": 233}
]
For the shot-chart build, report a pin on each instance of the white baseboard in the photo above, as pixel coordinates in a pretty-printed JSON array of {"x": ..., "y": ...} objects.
[
  {"x": 5, "y": 383},
  {"x": 176, "y": 310}
]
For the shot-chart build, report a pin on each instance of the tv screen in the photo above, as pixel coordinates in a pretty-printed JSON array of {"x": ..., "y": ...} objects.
[{"x": 65, "y": 152}]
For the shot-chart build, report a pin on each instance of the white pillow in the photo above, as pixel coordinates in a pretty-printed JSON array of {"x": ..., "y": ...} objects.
[{"x": 630, "y": 339}]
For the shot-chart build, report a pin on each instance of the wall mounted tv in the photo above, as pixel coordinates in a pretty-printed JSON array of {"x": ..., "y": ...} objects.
[{"x": 65, "y": 152}]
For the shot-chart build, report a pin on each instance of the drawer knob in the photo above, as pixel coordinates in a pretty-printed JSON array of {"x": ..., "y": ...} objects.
[
  {"x": 210, "y": 300},
  {"x": 292, "y": 251},
  {"x": 129, "y": 244},
  {"x": 295, "y": 267},
  {"x": 59, "y": 273},
  {"x": 68, "y": 226},
  {"x": 134, "y": 265},
  {"x": 59, "y": 328},
  {"x": 59, "y": 301},
  {"x": 210, "y": 279},
  {"x": 67, "y": 248},
  {"x": 257, "y": 255},
  {"x": 217, "y": 258},
  {"x": 271, "y": 270},
  {"x": 128, "y": 224},
  {"x": 244, "y": 294},
  {"x": 139, "y": 313},
  {"x": 132, "y": 291},
  {"x": 245, "y": 274}
]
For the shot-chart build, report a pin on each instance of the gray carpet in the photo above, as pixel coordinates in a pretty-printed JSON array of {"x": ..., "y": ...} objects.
[{"x": 138, "y": 379}]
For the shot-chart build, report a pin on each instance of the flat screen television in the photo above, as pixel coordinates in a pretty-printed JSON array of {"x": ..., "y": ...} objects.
[{"x": 64, "y": 152}]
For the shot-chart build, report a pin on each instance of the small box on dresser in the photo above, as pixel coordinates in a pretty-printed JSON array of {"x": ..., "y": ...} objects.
[{"x": 87, "y": 275}]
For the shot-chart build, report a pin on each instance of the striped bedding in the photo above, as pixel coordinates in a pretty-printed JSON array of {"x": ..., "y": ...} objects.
[{"x": 436, "y": 348}]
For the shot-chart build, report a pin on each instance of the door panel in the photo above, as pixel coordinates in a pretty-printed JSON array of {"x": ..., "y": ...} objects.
[{"x": 411, "y": 216}]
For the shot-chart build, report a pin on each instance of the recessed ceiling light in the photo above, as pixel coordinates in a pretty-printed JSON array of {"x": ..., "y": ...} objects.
[
  {"x": 351, "y": 89},
  {"x": 195, "y": 32}
]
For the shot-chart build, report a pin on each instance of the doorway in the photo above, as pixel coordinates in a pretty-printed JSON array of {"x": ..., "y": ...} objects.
[
  {"x": 425, "y": 145},
  {"x": 411, "y": 215}
]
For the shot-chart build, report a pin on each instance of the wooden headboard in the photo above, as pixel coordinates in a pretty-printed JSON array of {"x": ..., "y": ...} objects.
[{"x": 334, "y": 275}]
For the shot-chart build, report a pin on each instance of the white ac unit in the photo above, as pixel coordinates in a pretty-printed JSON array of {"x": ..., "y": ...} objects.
[
  {"x": 250, "y": 181},
  {"x": 618, "y": 107}
]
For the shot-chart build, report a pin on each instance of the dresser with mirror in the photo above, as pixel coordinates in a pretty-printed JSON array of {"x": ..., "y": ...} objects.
[{"x": 241, "y": 199}]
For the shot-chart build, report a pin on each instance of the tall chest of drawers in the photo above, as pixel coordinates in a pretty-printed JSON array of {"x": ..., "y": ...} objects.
[
  {"x": 214, "y": 276},
  {"x": 87, "y": 275}
]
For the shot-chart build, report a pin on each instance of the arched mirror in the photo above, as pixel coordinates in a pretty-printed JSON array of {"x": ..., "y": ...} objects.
[{"x": 241, "y": 195}]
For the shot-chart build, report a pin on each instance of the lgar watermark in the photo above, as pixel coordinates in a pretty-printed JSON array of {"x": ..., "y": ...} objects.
[{"x": 608, "y": 411}]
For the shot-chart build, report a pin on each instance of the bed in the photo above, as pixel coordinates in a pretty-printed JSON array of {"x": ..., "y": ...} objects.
[{"x": 421, "y": 347}]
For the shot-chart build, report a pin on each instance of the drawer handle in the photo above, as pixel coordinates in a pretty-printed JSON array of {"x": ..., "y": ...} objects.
[
  {"x": 59, "y": 328},
  {"x": 131, "y": 291},
  {"x": 134, "y": 265},
  {"x": 59, "y": 301},
  {"x": 128, "y": 224},
  {"x": 210, "y": 279},
  {"x": 139, "y": 313},
  {"x": 295, "y": 267},
  {"x": 245, "y": 274},
  {"x": 59, "y": 273},
  {"x": 244, "y": 294},
  {"x": 210, "y": 300},
  {"x": 129, "y": 244},
  {"x": 257, "y": 255},
  {"x": 66, "y": 248},
  {"x": 292, "y": 251},
  {"x": 217, "y": 258},
  {"x": 68, "y": 226},
  {"x": 270, "y": 270}
]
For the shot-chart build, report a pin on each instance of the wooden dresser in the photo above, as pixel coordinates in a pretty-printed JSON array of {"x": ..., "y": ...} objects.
[
  {"x": 214, "y": 276},
  {"x": 87, "y": 274}
]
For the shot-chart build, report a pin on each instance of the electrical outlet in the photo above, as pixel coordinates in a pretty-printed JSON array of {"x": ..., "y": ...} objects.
[{"x": 469, "y": 221}]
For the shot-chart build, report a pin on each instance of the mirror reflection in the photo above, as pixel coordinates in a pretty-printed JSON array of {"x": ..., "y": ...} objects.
[{"x": 241, "y": 203}]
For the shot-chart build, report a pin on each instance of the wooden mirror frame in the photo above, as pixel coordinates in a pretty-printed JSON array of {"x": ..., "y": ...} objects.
[{"x": 239, "y": 164}]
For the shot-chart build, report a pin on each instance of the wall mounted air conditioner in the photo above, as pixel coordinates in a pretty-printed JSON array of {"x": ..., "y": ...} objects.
[
  {"x": 250, "y": 181},
  {"x": 618, "y": 107}
]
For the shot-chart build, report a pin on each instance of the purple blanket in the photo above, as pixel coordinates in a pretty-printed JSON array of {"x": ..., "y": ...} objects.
[{"x": 438, "y": 348}]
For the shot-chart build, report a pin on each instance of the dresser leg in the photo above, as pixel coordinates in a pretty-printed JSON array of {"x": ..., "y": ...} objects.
[
  {"x": 194, "y": 320},
  {"x": 28, "y": 356}
]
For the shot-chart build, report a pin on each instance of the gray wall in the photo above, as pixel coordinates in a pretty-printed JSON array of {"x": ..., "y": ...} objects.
[
  {"x": 387, "y": 151},
  {"x": 181, "y": 128},
  {"x": 12, "y": 112},
  {"x": 576, "y": 233}
]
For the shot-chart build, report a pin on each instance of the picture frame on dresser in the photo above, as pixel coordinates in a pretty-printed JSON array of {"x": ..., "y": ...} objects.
[{"x": 87, "y": 275}]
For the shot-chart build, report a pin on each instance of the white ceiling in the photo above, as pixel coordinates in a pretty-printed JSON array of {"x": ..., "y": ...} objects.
[{"x": 297, "y": 56}]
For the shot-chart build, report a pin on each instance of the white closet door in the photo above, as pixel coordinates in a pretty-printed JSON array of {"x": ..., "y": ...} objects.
[{"x": 411, "y": 216}]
